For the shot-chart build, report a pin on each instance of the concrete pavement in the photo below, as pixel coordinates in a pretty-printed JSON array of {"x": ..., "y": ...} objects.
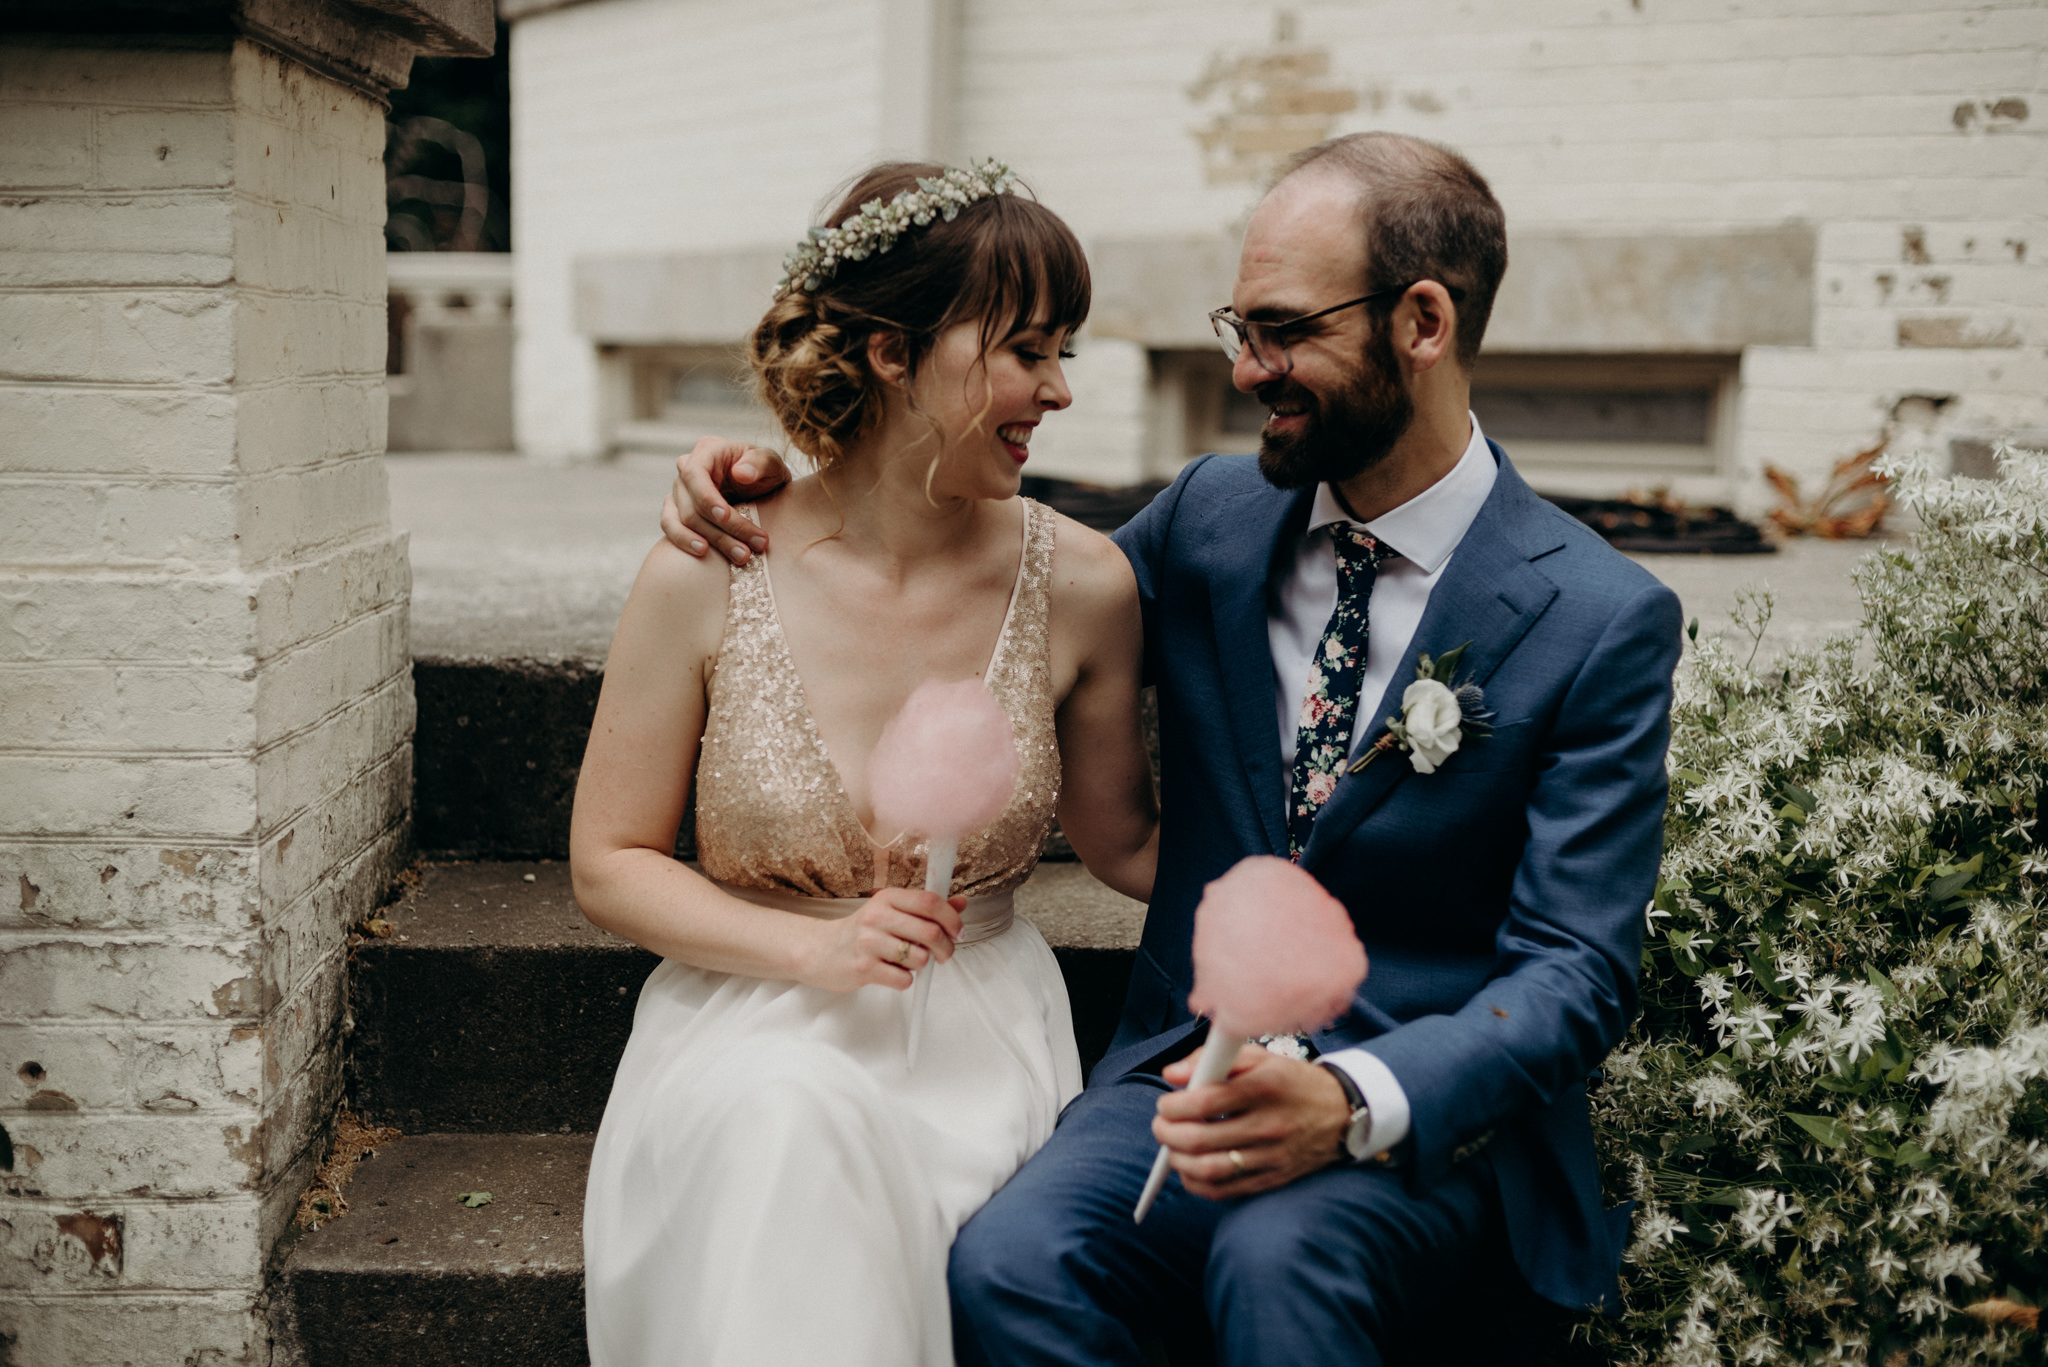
[{"x": 514, "y": 558}]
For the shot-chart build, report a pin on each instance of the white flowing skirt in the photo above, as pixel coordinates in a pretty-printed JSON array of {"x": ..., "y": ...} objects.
[{"x": 773, "y": 1185}]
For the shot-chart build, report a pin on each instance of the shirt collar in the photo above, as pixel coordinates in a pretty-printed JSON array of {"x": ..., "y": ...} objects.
[{"x": 1429, "y": 526}]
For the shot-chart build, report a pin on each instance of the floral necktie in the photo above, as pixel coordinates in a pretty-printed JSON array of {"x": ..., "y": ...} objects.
[{"x": 1322, "y": 742}]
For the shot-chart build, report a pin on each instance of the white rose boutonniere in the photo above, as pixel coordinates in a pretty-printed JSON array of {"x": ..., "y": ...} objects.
[
  {"x": 1438, "y": 714},
  {"x": 1431, "y": 717}
]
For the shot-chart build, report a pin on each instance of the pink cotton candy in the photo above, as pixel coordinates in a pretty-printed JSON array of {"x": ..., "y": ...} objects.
[
  {"x": 946, "y": 764},
  {"x": 1274, "y": 953}
]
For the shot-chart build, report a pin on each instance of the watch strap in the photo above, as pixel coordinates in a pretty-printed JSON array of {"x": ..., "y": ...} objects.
[{"x": 1354, "y": 1099}]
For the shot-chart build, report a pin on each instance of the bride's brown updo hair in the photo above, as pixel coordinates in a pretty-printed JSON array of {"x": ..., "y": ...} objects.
[{"x": 1003, "y": 261}]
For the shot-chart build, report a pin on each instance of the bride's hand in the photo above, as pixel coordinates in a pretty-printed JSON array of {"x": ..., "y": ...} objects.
[
  {"x": 695, "y": 513},
  {"x": 895, "y": 933}
]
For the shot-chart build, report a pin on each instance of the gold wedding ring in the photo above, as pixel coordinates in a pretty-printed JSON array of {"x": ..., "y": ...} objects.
[
  {"x": 902, "y": 957},
  {"x": 1237, "y": 1161}
]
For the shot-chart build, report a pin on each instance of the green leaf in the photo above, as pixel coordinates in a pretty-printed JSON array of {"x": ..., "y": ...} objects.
[
  {"x": 1911, "y": 1155},
  {"x": 1692, "y": 630},
  {"x": 473, "y": 1199},
  {"x": 1887, "y": 990},
  {"x": 1827, "y": 1129},
  {"x": 1763, "y": 962},
  {"x": 1447, "y": 663},
  {"x": 1948, "y": 885},
  {"x": 1677, "y": 1146},
  {"x": 1806, "y": 800}
]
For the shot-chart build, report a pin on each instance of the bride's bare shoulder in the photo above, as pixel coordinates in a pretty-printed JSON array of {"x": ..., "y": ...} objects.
[
  {"x": 677, "y": 605},
  {"x": 1090, "y": 574}
]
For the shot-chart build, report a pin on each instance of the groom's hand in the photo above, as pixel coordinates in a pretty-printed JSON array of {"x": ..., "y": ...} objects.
[
  {"x": 1282, "y": 1118},
  {"x": 696, "y": 515}
]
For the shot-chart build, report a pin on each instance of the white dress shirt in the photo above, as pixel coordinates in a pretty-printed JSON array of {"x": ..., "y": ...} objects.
[{"x": 1299, "y": 600}]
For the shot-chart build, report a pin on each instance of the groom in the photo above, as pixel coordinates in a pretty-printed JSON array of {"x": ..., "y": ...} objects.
[{"x": 1436, "y": 1135}]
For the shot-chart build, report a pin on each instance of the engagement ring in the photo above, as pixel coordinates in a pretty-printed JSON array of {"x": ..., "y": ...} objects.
[
  {"x": 1237, "y": 1161},
  {"x": 902, "y": 956}
]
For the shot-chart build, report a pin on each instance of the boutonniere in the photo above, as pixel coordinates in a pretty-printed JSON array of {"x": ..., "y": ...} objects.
[{"x": 1438, "y": 714}]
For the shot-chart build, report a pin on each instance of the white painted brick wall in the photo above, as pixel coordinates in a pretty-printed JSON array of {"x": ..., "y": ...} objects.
[
  {"x": 668, "y": 125},
  {"x": 1864, "y": 118},
  {"x": 205, "y": 757}
]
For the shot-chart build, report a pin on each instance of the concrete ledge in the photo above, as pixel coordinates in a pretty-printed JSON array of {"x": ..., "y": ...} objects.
[
  {"x": 1686, "y": 293},
  {"x": 369, "y": 44},
  {"x": 502, "y": 1009}
]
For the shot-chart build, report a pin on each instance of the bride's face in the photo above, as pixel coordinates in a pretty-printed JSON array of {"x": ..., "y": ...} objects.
[{"x": 987, "y": 406}]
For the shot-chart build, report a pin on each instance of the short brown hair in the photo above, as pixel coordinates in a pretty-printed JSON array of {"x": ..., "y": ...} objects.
[
  {"x": 1428, "y": 215},
  {"x": 1003, "y": 260}
]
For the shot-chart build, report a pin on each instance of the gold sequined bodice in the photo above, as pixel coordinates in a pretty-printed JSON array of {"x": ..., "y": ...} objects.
[{"x": 771, "y": 811}]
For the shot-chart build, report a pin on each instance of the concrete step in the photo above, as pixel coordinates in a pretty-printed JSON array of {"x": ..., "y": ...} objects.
[
  {"x": 498, "y": 746},
  {"x": 496, "y": 752},
  {"x": 493, "y": 1006},
  {"x": 412, "y": 1277}
]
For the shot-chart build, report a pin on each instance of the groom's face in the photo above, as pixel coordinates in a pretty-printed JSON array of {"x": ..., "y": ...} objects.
[{"x": 1343, "y": 404}]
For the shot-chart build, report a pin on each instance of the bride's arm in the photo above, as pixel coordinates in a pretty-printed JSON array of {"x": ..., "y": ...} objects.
[
  {"x": 629, "y": 802},
  {"x": 1107, "y": 808}
]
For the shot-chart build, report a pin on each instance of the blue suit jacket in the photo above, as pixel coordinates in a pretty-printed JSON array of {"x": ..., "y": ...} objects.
[{"x": 1501, "y": 899}]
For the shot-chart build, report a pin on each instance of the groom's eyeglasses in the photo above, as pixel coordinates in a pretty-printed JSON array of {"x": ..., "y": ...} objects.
[{"x": 1269, "y": 341}]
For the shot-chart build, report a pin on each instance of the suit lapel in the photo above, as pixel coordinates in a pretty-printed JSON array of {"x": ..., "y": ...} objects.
[
  {"x": 1251, "y": 529},
  {"x": 1489, "y": 595}
]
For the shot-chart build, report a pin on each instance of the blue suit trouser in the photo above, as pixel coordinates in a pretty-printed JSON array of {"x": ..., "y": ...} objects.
[{"x": 1328, "y": 1269}]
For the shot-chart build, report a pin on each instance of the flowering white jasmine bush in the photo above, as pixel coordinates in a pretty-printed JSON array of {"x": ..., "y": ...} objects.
[{"x": 1832, "y": 1112}]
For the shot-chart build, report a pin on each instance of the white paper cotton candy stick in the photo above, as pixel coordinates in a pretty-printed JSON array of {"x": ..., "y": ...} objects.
[
  {"x": 945, "y": 765},
  {"x": 1274, "y": 955}
]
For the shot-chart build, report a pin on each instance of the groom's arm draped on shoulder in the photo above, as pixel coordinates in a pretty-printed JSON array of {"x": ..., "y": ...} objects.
[{"x": 1443, "y": 1127}]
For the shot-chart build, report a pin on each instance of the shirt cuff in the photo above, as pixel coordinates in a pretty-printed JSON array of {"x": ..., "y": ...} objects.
[{"x": 1376, "y": 1083}]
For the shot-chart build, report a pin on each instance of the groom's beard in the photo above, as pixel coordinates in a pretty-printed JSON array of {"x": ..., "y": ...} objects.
[{"x": 1347, "y": 432}]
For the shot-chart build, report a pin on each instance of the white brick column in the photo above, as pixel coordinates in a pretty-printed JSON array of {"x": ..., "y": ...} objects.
[{"x": 205, "y": 694}]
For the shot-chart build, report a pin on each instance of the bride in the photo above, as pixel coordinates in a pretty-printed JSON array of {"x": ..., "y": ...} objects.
[{"x": 772, "y": 1183}]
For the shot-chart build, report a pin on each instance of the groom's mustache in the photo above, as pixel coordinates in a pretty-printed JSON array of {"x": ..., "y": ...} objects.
[{"x": 1274, "y": 393}]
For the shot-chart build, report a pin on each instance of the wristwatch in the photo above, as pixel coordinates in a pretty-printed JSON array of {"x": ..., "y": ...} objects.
[{"x": 1358, "y": 1129}]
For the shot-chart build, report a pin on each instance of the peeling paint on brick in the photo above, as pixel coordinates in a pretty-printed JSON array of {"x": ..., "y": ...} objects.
[
  {"x": 246, "y": 1146},
  {"x": 97, "y": 1238},
  {"x": 1276, "y": 101},
  {"x": 240, "y": 997},
  {"x": 1955, "y": 332},
  {"x": 184, "y": 861}
]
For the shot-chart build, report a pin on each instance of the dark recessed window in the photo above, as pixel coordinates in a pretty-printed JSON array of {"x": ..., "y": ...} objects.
[
  {"x": 1603, "y": 418},
  {"x": 1595, "y": 415}
]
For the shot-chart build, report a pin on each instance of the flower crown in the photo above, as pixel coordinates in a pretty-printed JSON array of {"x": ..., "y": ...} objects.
[{"x": 877, "y": 226}]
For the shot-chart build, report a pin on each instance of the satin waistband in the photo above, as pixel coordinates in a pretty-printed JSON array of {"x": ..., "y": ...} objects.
[{"x": 984, "y": 919}]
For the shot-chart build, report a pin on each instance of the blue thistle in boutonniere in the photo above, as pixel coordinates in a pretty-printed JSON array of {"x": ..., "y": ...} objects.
[{"x": 1438, "y": 714}]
